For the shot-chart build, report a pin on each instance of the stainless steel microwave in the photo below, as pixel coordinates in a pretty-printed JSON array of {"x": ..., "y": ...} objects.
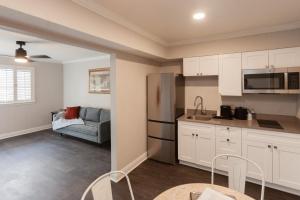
[{"x": 274, "y": 80}]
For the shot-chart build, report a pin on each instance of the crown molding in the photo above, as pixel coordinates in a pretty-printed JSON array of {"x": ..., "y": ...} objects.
[
  {"x": 100, "y": 10},
  {"x": 86, "y": 59},
  {"x": 244, "y": 33}
]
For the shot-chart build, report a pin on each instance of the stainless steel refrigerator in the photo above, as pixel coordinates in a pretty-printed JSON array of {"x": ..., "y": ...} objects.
[{"x": 165, "y": 103}]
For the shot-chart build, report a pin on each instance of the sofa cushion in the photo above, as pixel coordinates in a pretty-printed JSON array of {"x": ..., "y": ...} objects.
[
  {"x": 72, "y": 112},
  {"x": 82, "y": 113},
  {"x": 88, "y": 130},
  {"x": 92, "y": 114},
  {"x": 104, "y": 115}
]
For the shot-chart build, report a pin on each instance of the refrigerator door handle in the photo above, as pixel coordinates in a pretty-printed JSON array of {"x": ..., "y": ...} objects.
[{"x": 158, "y": 95}]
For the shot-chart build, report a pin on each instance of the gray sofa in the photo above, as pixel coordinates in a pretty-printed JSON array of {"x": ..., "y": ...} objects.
[{"x": 96, "y": 126}]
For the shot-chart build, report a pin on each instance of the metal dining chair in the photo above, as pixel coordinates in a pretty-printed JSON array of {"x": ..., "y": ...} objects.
[
  {"x": 101, "y": 187},
  {"x": 237, "y": 170}
]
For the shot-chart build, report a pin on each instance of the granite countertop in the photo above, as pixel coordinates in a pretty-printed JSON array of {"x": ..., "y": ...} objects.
[{"x": 289, "y": 124}]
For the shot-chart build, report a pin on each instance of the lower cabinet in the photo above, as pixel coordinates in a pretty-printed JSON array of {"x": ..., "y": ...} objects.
[
  {"x": 196, "y": 143},
  {"x": 278, "y": 154},
  {"x": 228, "y": 141}
]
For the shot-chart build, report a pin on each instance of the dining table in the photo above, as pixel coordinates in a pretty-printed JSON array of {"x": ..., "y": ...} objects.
[{"x": 182, "y": 192}]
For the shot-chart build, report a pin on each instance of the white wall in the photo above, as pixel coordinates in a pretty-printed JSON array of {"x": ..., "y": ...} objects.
[
  {"x": 129, "y": 110},
  {"x": 76, "y": 83},
  {"x": 49, "y": 97}
]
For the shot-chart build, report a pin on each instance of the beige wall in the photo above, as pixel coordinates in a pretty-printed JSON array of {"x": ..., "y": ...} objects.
[
  {"x": 76, "y": 83},
  {"x": 250, "y": 43},
  {"x": 49, "y": 97},
  {"x": 129, "y": 110}
]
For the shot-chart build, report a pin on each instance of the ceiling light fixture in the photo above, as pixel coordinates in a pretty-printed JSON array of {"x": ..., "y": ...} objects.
[
  {"x": 20, "y": 55},
  {"x": 199, "y": 16}
]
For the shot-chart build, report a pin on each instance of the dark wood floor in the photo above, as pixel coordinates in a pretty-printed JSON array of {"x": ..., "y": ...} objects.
[{"x": 46, "y": 166}]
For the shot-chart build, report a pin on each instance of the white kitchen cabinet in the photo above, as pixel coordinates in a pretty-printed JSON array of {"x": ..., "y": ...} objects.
[
  {"x": 230, "y": 75},
  {"x": 261, "y": 153},
  {"x": 191, "y": 66},
  {"x": 288, "y": 57},
  {"x": 278, "y": 154},
  {"x": 209, "y": 65},
  {"x": 205, "y": 145},
  {"x": 286, "y": 165},
  {"x": 196, "y": 143},
  {"x": 255, "y": 60},
  {"x": 186, "y": 143},
  {"x": 201, "y": 66},
  {"x": 228, "y": 141}
]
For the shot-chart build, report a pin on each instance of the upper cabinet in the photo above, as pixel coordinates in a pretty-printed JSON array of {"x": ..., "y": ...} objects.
[
  {"x": 255, "y": 60},
  {"x": 201, "y": 66},
  {"x": 289, "y": 57},
  {"x": 191, "y": 66},
  {"x": 230, "y": 78}
]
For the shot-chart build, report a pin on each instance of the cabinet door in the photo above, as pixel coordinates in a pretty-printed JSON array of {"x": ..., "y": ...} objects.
[
  {"x": 186, "y": 143},
  {"x": 228, "y": 141},
  {"x": 205, "y": 145},
  {"x": 286, "y": 165},
  {"x": 255, "y": 60},
  {"x": 230, "y": 75},
  {"x": 191, "y": 66},
  {"x": 209, "y": 65},
  {"x": 289, "y": 57},
  {"x": 261, "y": 153}
]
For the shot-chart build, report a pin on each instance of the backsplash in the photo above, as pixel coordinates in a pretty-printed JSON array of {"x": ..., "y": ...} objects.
[{"x": 207, "y": 87}]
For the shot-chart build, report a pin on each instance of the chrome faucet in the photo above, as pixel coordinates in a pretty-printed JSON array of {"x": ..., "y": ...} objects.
[{"x": 196, "y": 104}]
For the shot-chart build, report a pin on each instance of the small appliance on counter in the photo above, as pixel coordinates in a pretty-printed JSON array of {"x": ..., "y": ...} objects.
[
  {"x": 226, "y": 112},
  {"x": 240, "y": 113}
]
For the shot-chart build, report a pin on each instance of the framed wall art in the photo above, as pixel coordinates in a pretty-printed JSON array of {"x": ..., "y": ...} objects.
[{"x": 99, "y": 81}]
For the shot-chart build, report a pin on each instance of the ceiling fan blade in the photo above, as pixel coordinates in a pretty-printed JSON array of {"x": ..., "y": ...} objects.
[
  {"x": 40, "y": 56},
  {"x": 4, "y": 55}
]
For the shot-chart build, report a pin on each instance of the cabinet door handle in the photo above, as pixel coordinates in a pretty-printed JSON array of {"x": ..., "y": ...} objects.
[
  {"x": 275, "y": 147},
  {"x": 227, "y": 140},
  {"x": 196, "y": 135},
  {"x": 193, "y": 134},
  {"x": 228, "y": 128},
  {"x": 269, "y": 146}
]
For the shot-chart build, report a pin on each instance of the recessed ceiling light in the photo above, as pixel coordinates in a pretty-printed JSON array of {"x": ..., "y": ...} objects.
[{"x": 199, "y": 16}]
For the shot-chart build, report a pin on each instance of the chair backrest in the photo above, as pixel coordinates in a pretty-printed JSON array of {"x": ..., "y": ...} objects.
[
  {"x": 237, "y": 171},
  {"x": 101, "y": 187}
]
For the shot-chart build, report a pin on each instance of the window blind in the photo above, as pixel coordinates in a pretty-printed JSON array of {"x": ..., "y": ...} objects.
[
  {"x": 6, "y": 85},
  {"x": 24, "y": 84}
]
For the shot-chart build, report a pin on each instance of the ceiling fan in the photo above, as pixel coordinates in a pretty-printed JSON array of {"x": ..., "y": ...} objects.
[{"x": 21, "y": 54}]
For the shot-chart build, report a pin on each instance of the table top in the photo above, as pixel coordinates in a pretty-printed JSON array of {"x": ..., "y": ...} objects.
[{"x": 182, "y": 192}]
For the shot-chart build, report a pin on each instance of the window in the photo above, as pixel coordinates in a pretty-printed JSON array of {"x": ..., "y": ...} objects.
[{"x": 16, "y": 85}]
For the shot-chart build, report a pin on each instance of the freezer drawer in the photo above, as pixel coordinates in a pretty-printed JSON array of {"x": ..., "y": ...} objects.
[
  {"x": 161, "y": 130},
  {"x": 161, "y": 150}
]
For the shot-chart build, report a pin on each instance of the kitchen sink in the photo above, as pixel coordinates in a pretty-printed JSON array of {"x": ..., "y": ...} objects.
[{"x": 200, "y": 117}]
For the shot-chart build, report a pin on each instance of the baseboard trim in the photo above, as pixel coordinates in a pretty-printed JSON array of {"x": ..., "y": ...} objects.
[
  {"x": 23, "y": 132},
  {"x": 131, "y": 166}
]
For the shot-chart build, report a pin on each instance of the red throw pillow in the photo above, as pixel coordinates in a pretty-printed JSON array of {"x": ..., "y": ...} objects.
[{"x": 72, "y": 112}]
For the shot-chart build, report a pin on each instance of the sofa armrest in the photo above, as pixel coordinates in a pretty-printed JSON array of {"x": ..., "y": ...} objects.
[
  {"x": 58, "y": 115},
  {"x": 103, "y": 131}
]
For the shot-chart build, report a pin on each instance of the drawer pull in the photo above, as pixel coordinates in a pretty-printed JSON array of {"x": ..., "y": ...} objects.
[
  {"x": 193, "y": 134},
  {"x": 269, "y": 146},
  {"x": 228, "y": 128},
  {"x": 227, "y": 140},
  {"x": 275, "y": 147}
]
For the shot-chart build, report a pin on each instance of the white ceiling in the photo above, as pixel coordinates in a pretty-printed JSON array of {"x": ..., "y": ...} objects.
[
  {"x": 59, "y": 52},
  {"x": 170, "y": 21}
]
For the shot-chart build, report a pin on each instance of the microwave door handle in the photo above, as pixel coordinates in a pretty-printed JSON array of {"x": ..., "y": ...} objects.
[{"x": 286, "y": 81}]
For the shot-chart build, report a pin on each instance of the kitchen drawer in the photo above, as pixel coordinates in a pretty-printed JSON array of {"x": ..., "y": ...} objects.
[{"x": 231, "y": 133}]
